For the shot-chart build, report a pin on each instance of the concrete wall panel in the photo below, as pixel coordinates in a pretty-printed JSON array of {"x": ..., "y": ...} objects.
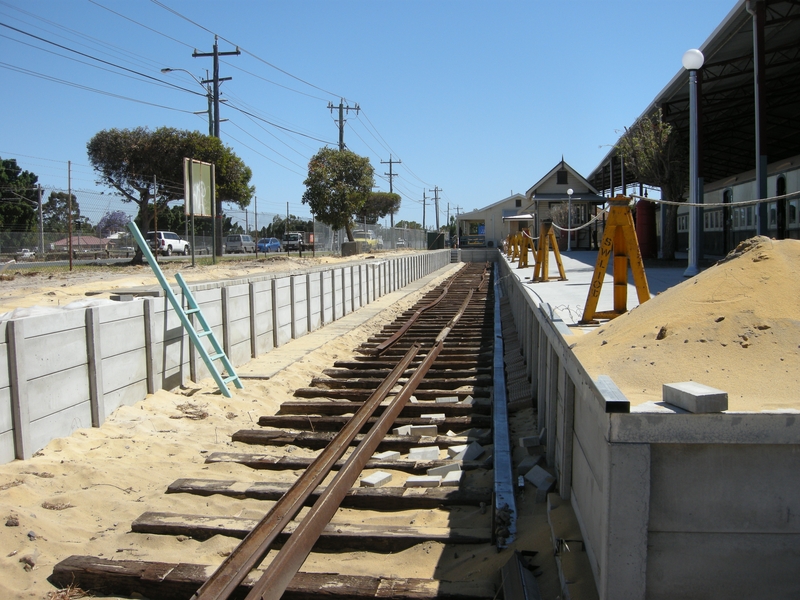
[
  {"x": 59, "y": 351},
  {"x": 720, "y": 566},
  {"x": 7, "y": 453},
  {"x": 314, "y": 301},
  {"x": 125, "y": 396},
  {"x": 57, "y": 392},
  {"x": 6, "y": 423},
  {"x": 60, "y": 424},
  {"x": 299, "y": 306},
  {"x": 282, "y": 307},
  {"x": 122, "y": 370}
]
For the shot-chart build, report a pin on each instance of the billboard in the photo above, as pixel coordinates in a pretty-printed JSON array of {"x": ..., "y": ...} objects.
[{"x": 198, "y": 185}]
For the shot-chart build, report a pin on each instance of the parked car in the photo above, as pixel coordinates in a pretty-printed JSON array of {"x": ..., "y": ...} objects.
[
  {"x": 25, "y": 253},
  {"x": 297, "y": 240},
  {"x": 239, "y": 243},
  {"x": 167, "y": 242},
  {"x": 401, "y": 243},
  {"x": 269, "y": 245}
]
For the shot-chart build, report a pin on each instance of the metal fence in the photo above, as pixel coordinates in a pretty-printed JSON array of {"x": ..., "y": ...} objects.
[{"x": 37, "y": 237}]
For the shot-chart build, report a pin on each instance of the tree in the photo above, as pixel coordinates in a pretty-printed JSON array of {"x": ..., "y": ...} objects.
[
  {"x": 129, "y": 159},
  {"x": 55, "y": 214},
  {"x": 338, "y": 184},
  {"x": 378, "y": 205},
  {"x": 112, "y": 222},
  {"x": 408, "y": 225},
  {"x": 19, "y": 198},
  {"x": 654, "y": 151}
]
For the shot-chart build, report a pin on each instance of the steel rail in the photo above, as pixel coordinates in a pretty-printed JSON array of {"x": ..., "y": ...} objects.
[
  {"x": 380, "y": 348},
  {"x": 290, "y": 558},
  {"x": 252, "y": 550}
]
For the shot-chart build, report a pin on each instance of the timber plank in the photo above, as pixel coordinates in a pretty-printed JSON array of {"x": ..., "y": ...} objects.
[
  {"x": 384, "y": 498},
  {"x": 168, "y": 581},
  {"x": 409, "y": 410},
  {"x": 297, "y": 463},
  {"x": 335, "y": 422},
  {"x": 308, "y": 439},
  {"x": 335, "y": 536},
  {"x": 423, "y": 392},
  {"x": 368, "y": 383}
]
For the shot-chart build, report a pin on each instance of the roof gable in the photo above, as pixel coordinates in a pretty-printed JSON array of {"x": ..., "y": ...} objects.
[{"x": 549, "y": 183}]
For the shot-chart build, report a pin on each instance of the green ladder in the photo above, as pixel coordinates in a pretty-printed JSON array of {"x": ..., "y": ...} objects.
[{"x": 192, "y": 309}]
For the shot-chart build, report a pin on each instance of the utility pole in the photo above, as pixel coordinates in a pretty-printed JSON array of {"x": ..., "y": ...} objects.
[
  {"x": 391, "y": 178},
  {"x": 341, "y": 121},
  {"x": 436, "y": 191},
  {"x": 215, "y": 80},
  {"x": 423, "y": 209}
]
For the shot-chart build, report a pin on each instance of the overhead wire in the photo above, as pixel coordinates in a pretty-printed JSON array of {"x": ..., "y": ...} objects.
[{"x": 145, "y": 75}]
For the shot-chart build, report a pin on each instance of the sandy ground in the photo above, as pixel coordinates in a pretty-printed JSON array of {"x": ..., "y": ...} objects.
[
  {"x": 734, "y": 327},
  {"x": 80, "y": 494}
]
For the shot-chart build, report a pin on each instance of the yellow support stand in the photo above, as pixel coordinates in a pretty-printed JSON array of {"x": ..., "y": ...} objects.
[
  {"x": 620, "y": 239},
  {"x": 547, "y": 238},
  {"x": 525, "y": 244}
]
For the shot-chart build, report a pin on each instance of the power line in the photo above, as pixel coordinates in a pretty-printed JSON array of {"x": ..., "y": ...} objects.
[
  {"x": 87, "y": 88},
  {"x": 258, "y": 58},
  {"x": 41, "y": 39},
  {"x": 140, "y": 24}
]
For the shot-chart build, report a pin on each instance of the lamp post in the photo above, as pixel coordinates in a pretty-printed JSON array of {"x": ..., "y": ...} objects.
[
  {"x": 209, "y": 95},
  {"x": 692, "y": 61},
  {"x": 569, "y": 219}
]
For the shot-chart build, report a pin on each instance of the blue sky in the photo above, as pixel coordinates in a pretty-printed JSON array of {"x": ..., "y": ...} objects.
[{"x": 479, "y": 99}]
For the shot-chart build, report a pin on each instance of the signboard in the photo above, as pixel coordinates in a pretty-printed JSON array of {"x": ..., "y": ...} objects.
[{"x": 198, "y": 185}]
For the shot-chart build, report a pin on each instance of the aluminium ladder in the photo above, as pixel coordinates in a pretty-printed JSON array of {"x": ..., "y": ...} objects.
[{"x": 192, "y": 309}]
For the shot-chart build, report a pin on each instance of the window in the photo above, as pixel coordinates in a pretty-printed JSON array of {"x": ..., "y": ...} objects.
[
  {"x": 792, "y": 212},
  {"x": 683, "y": 222},
  {"x": 773, "y": 214},
  {"x": 561, "y": 177},
  {"x": 518, "y": 203}
]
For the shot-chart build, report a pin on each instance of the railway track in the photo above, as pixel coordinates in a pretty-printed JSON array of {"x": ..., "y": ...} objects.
[{"x": 414, "y": 406}]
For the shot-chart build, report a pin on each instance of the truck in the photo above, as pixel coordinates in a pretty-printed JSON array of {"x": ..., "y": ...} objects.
[
  {"x": 369, "y": 238},
  {"x": 297, "y": 240}
]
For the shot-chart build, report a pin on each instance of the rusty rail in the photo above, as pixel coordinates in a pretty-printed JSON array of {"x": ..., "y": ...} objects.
[
  {"x": 252, "y": 550},
  {"x": 290, "y": 558}
]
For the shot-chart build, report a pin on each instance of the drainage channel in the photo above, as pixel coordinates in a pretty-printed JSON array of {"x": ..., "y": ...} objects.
[{"x": 415, "y": 404}]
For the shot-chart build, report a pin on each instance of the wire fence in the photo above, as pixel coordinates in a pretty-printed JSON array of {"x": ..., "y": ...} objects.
[{"x": 35, "y": 235}]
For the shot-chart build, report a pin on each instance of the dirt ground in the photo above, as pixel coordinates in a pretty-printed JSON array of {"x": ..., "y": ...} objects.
[{"x": 80, "y": 494}]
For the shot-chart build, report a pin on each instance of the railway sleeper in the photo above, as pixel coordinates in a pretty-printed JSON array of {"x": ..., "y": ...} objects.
[
  {"x": 480, "y": 406},
  {"x": 167, "y": 581},
  {"x": 335, "y": 537},
  {"x": 335, "y": 423},
  {"x": 312, "y": 440},
  {"x": 382, "y": 499},
  {"x": 296, "y": 463}
]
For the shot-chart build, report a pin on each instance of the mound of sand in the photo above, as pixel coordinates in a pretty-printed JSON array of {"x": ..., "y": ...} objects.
[{"x": 735, "y": 326}]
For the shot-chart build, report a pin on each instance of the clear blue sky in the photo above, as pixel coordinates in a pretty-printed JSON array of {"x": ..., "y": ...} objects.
[{"x": 477, "y": 98}]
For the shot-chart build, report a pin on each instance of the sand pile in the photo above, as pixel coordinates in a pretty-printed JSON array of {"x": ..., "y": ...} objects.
[{"x": 736, "y": 327}]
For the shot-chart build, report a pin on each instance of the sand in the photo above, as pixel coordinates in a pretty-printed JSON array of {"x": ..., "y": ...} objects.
[
  {"x": 734, "y": 327},
  {"x": 80, "y": 494}
]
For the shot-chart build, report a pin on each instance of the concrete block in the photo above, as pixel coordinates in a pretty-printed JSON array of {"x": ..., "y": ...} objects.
[
  {"x": 413, "y": 400},
  {"x": 529, "y": 441},
  {"x": 473, "y": 451},
  {"x": 422, "y": 481},
  {"x": 404, "y": 430},
  {"x": 450, "y": 433},
  {"x": 434, "y": 416},
  {"x": 454, "y": 450},
  {"x": 541, "y": 479},
  {"x": 424, "y": 453},
  {"x": 446, "y": 399},
  {"x": 453, "y": 478},
  {"x": 431, "y": 430},
  {"x": 695, "y": 397},
  {"x": 377, "y": 479},
  {"x": 388, "y": 455},
  {"x": 528, "y": 463},
  {"x": 444, "y": 469},
  {"x": 468, "y": 400}
]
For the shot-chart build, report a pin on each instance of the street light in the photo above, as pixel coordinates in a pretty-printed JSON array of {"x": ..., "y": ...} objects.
[
  {"x": 209, "y": 95},
  {"x": 569, "y": 219},
  {"x": 692, "y": 61}
]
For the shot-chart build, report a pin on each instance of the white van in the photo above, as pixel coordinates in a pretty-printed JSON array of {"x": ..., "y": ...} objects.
[{"x": 239, "y": 243}]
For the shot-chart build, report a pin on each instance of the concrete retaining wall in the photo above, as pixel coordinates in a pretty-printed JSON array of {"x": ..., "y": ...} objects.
[
  {"x": 671, "y": 504},
  {"x": 63, "y": 371}
]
